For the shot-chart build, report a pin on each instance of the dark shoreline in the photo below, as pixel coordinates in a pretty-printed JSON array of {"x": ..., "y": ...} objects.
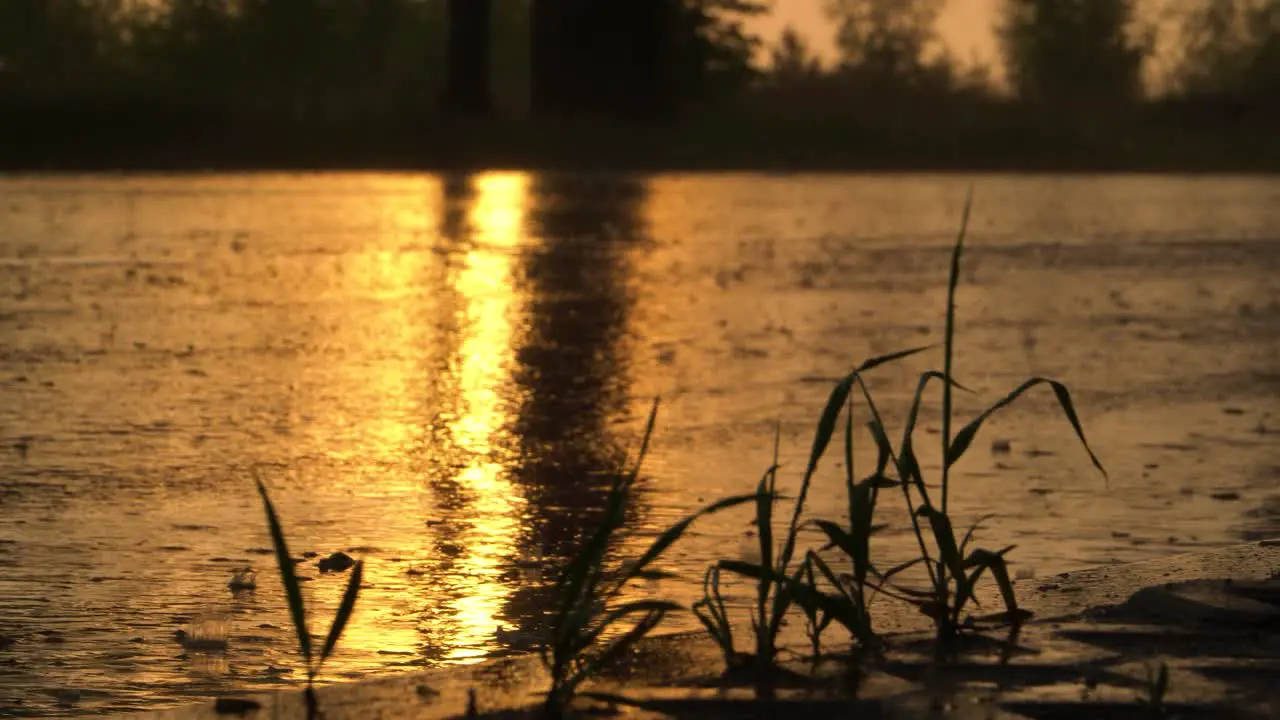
[
  {"x": 197, "y": 165},
  {"x": 930, "y": 142},
  {"x": 307, "y": 169}
]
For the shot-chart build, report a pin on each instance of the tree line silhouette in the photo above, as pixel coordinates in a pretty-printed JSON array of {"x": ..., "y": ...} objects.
[{"x": 629, "y": 82}]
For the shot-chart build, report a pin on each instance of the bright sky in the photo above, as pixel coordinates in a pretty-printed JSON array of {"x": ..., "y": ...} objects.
[{"x": 965, "y": 26}]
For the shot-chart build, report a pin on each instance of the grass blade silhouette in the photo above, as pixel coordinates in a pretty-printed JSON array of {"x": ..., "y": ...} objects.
[
  {"x": 948, "y": 342},
  {"x": 344, "y": 612},
  {"x": 965, "y": 437},
  {"x": 826, "y": 429},
  {"x": 292, "y": 588},
  {"x": 674, "y": 532}
]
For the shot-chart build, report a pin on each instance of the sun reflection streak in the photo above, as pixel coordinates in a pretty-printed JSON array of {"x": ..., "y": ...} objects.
[
  {"x": 384, "y": 289},
  {"x": 488, "y": 289},
  {"x": 384, "y": 300},
  {"x": 389, "y": 331}
]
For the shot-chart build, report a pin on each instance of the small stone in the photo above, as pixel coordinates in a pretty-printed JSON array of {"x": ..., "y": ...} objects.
[
  {"x": 235, "y": 706},
  {"x": 244, "y": 579},
  {"x": 337, "y": 562}
]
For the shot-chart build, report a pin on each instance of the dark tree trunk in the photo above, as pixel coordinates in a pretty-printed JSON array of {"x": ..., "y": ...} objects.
[
  {"x": 552, "y": 75},
  {"x": 633, "y": 36},
  {"x": 603, "y": 58},
  {"x": 467, "y": 87}
]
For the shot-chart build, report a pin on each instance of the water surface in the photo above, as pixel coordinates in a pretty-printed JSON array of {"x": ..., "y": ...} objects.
[{"x": 439, "y": 374}]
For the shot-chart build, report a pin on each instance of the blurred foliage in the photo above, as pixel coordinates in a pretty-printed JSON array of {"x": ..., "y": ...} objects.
[
  {"x": 889, "y": 42},
  {"x": 318, "y": 60},
  {"x": 792, "y": 61},
  {"x": 718, "y": 52},
  {"x": 1074, "y": 51},
  {"x": 1230, "y": 48},
  {"x": 362, "y": 80},
  {"x": 54, "y": 47}
]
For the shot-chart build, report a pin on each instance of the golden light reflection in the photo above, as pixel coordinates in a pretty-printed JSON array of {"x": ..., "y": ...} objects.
[
  {"x": 389, "y": 283},
  {"x": 395, "y": 291},
  {"x": 489, "y": 294},
  {"x": 386, "y": 292}
]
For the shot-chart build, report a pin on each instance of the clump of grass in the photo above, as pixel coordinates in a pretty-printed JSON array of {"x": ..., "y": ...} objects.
[
  {"x": 953, "y": 569},
  {"x": 298, "y": 611},
  {"x": 848, "y": 597},
  {"x": 710, "y": 610},
  {"x": 845, "y": 596},
  {"x": 584, "y": 635},
  {"x": 816, "y": 620},
  {"x": 779, "y": 585}
]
